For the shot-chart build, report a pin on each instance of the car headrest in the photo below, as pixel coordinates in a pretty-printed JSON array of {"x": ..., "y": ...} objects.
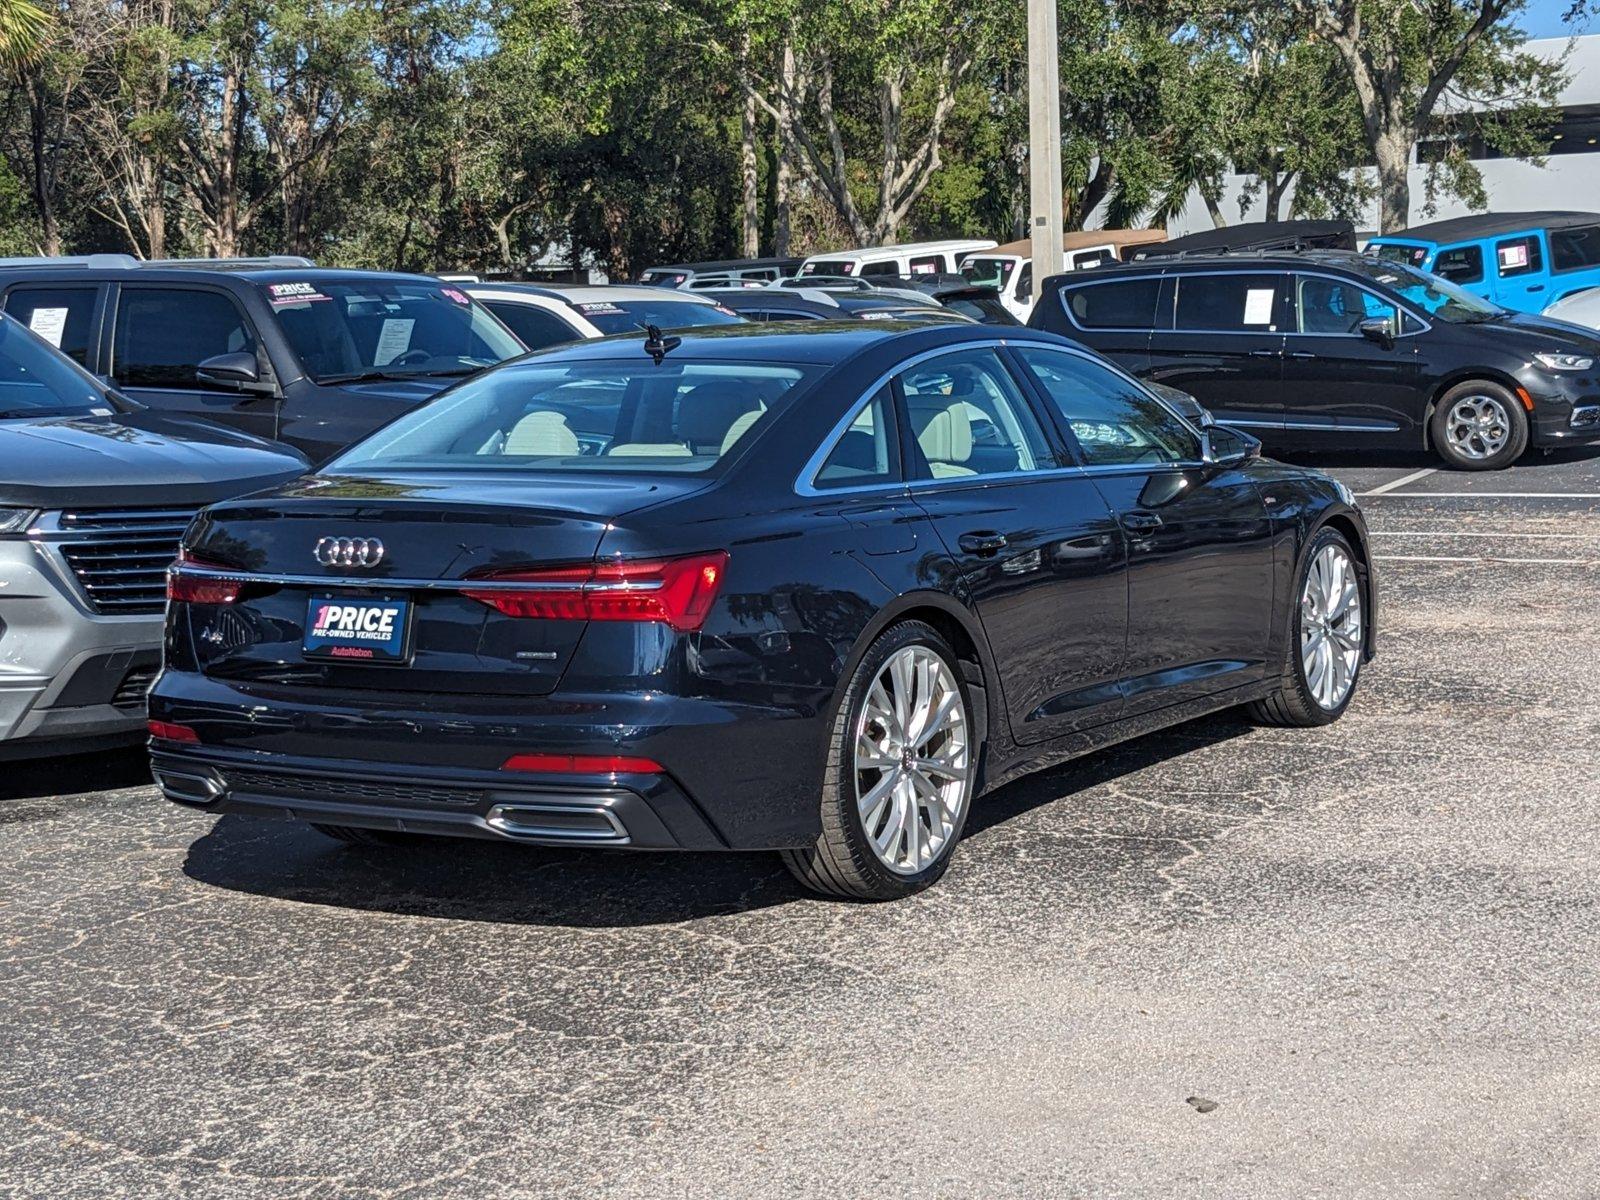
[
  {"x": 708, "y": 411},
  {"x": 943, "y": 426},
  {"x": 543, "y": 433},
  {"x": 739, "y": 428}
]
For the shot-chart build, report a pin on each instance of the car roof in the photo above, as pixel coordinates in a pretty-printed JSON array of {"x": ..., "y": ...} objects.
[
  {"x": 726, "y": 264},
  {"x": 1239, "y": 260},
  {"x": 513, "y": 291},
  {"x": 90, "y": 269},
  {"x": 795, "y": 300},
  {"x": 899, "y": 248},
  {"x": 1460, "y": 229},
  {"x": 823, "y": 343},
  {"x": 600, "y": 293},
  {"x": 1259, "y": 235}
]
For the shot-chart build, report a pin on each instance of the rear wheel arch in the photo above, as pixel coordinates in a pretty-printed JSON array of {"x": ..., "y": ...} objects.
[{"x": 958, "y": 626}]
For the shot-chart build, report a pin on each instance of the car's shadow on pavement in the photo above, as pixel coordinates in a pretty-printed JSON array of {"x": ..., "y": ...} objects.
[
  {"x": 466, "y": 880},
  {"x": 70, "y": 775}
]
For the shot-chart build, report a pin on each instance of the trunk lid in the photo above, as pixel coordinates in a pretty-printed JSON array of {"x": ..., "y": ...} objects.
[{"x": 435, "y": 531}]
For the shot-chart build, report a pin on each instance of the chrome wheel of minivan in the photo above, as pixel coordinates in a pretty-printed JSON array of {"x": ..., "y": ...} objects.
[
  {"x": 1330, "y": 626},
  {"x": 1478, "y": 426},
  {"x": 912, "y": 760}
]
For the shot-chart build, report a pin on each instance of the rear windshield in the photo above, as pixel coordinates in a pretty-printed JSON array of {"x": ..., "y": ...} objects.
[
  {"x": 385, "y": 329},
  {"x": 683, "y": 417},
  {"x": 35, "y": 381},
  {"x": 669, "y": 279},
  {"x": 989, "y": 272},
  {"x": 841, "y": 266},
  {"x": 630, "y": 316}
]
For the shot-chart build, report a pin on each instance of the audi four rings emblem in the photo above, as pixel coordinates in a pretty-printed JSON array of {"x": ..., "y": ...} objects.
[{"x": 348, "y": 552}]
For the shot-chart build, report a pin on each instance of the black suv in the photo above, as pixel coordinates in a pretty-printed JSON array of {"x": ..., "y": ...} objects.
[
  {"x": 276, "y": 347},
  {"x": 1333, "y": 349}
]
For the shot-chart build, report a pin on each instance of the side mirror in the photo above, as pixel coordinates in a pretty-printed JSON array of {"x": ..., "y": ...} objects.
[
  {"x": 1226, "y": 447},
  {"x": 237, "y": 370},
  {"x": 1378, "y": 329}
]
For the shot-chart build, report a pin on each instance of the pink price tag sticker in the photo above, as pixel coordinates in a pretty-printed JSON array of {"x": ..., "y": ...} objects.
[{"x": 459, "y": 297}]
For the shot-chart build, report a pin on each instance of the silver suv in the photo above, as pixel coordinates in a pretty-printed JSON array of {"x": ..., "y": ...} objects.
[{"x": 94, "y": 493}]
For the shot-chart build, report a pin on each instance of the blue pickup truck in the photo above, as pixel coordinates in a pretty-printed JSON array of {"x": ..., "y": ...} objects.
[{"x": 1522, "y": 261}]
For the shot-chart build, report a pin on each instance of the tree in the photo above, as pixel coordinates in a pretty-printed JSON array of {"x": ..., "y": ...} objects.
[
  {"x": 1401, "y": 56},
  {"x": 23, "y": 27}
]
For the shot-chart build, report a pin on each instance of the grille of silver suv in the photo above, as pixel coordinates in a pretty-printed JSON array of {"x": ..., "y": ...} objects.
[{"x": 120, "y": 556}]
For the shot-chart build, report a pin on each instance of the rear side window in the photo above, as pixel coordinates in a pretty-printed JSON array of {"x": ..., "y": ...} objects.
[
  {"x": 1575, "y": 248},
  {"x": 1519, "y": 256},
  {"x": 970, "y": 419},
  {"x": 1460, "y": 264},
  {"x": 535, "y": 327},
  {"x": 1228, "y": 303},
  {"x": 866, "y": 453},
  {"x": 881, "y": 268},
  {"x": 1124, "y": 304},
  {"x": 61, "y": 316},
  {"x": 929, "y": 265},
  {"x": 163, "y": 334}
]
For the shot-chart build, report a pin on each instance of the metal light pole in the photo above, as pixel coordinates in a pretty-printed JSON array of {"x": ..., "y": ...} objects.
[{"x": 1044, "y": 140}]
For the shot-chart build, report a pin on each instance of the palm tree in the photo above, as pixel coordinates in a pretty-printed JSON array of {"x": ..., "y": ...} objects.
[{"x": 22, "y": 29}]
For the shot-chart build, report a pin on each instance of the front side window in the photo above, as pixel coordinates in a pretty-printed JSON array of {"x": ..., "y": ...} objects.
[
  {"x": 866, "y": 452},
  {"x": 1123, "y": 304},
  {"x": 535, "y": 327},
  {"x": 37, "y": 382},
  {"x": 989, "y": 272},
  {"x": 1115, "y": 421},
  {"x": 386, "y": 329},
  {"x": 1085, "y": 259},
  {"x": 164, "y": 334},
  {"x": 1435, "y": 296},
  {"x": 1332, "y": 306},
  {"x": 969, "y": 418},
  {"x": 1575, "y": 248},
  {"x": 1232, "y": 303},
  {"x": 840, "y": 266},
  {"x": 631, "y": 316},
  {"x": 1460, "y": 264},
  {"x": 683, "y": 417},
  {"x": 60, "y": 315},
  {"x": 1518, "y": 256},
  {"x": 1399, "y": 252}
]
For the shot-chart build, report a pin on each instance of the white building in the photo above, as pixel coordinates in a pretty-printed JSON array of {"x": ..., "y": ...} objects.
[{"x": 1569, "y": 178}]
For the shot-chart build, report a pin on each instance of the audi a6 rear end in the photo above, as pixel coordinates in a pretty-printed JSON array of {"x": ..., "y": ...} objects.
[{"x": 810, "y": 590}]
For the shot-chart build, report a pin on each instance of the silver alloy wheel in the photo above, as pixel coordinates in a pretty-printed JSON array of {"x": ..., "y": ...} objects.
[
  {"x": 912, "y": 760},
  {"x": 1478, "y": 426},
  {"x": 1330, "y": 626}
]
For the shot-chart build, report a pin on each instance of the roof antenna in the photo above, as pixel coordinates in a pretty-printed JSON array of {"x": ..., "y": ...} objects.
[{"x": 657, "y": 346}]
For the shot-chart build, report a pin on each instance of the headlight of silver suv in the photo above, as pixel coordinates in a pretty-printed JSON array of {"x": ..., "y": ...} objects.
[
  {"x": 15, "y": 520},
  {"x": 1564, "y": 362}
]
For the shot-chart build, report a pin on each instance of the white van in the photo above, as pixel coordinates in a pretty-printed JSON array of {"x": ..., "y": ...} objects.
[
  {"x": 1009, "y": 268},
  {"x": 909, "y": 258}
]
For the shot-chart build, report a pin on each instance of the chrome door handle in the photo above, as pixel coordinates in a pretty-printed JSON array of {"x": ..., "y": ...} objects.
[{"x": 1266, "y": 354}]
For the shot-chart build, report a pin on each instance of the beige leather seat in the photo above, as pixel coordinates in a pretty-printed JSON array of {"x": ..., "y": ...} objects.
[
  {"x": 741, "y": 427},
  {"x": 944, "y": 431},
  {"x": 542, "y": 434},
  {"x": 650, "y": 450}
]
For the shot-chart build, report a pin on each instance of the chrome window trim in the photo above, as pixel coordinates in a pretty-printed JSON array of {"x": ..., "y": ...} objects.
[{"x": 1179, "y": 273}]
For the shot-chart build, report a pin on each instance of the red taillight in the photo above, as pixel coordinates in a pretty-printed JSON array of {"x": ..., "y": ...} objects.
[
  {"x": 200, "y": 589},
  {"x": 676, "y": 591},
  {"x": 582, "y": 764},
  {"x": 170, "y": 731}
]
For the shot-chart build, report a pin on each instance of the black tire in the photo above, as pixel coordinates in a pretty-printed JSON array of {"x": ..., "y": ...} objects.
[
  {"x": 1516, "y": 417},
  {"x": 1293, "y": 704},
  {"x": 842, "y": 862},
  {"x": 354, "y": 835}
]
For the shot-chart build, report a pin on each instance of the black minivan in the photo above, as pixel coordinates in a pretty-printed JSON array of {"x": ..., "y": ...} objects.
[
  {"x": 275, "y": 347},
  {"x": 1336, "y": 350}
]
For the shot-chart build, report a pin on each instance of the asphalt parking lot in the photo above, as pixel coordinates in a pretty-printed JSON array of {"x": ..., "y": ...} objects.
[{"x": 1369, "y": 954}]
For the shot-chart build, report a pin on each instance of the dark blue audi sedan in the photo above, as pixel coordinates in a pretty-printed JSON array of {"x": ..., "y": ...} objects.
[{"x": 812, "y": 589}]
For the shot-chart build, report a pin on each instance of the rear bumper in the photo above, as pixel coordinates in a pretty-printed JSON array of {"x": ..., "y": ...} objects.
[
  {"x": 736, "y": 775},
  {"x": 638, "y": 812}
]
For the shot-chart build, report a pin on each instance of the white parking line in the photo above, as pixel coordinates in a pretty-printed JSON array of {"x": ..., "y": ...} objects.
[
  {"x": 1401, "y": 482},
  {"x": 1477, "y": 533},
  {"x": 1481, "y": 495},
  {"x": 1496, "y": 559}
]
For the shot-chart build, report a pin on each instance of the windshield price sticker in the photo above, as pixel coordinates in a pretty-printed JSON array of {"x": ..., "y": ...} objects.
[
  {"x": 452, "y": 294},
  {"x": 1512, "y": 257},
  {"x": 293, "y": 293},
  {"x": 602, "y": 308},
  {"x": 393, "y": 341}
]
